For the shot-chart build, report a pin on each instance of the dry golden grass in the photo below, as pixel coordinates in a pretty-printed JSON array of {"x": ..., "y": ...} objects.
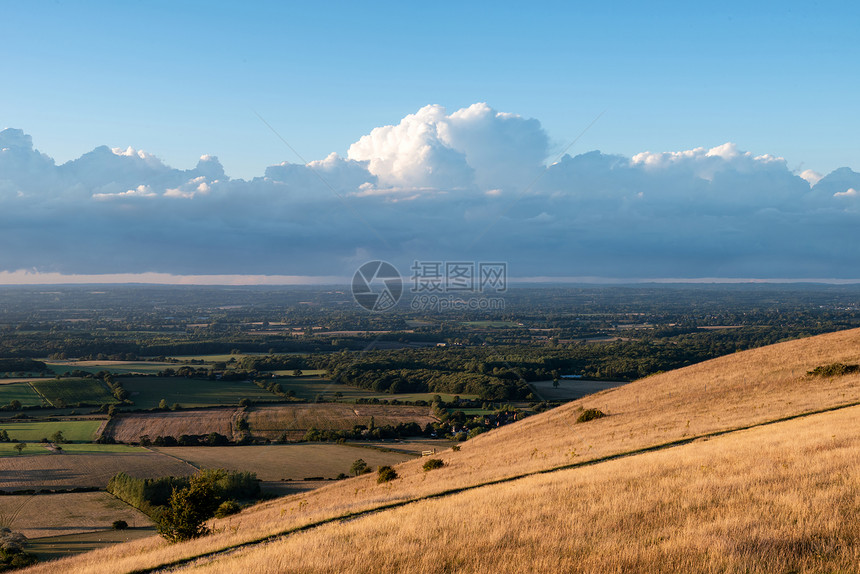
[
  {"x": 741, "y": 390},
  {"x": 775, "y": 499}
]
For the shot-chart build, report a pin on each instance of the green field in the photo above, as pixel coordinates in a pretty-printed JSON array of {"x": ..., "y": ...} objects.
[
  {"x": 31, "y": 448},
  {"x": 496, "y": 324},
  {"x": 147, "y": 392},
  {"x": 78, "y": 431},
  {"x": 115, "y": 367},
  {"x": 65, "y": 392},
  {"x": 223, "y": 358},
  {"x": 19, "y": 392},
  {"x": 305, "y": 373},
  {"x": 6, "y": 448},
  {"x": 91, "y": 448},
  {"x": 309, "y": 388}
]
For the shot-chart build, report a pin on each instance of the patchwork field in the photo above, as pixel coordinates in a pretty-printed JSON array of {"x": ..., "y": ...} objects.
[
  {"x": 63, "y": 471},
  {"x": 147, "y": 392},
  {"x": 80, "y": 431},
  {"x": 285, "y": 461},
  {"x": 68, "y": 513},
  {"x": 130, "y": 427},
  {"x": 296, "y": 419},
  {"x": 21, "y": 392},
  {"x": 64, "y": 392}
]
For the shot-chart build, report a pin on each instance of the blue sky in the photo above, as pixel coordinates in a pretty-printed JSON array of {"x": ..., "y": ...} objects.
[
  {"x": 180, "y": 79},
  {"x": 136, "y": 143}
]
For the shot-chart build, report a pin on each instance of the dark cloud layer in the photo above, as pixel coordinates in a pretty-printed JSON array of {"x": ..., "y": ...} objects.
[{"x": 470, "y": 185}]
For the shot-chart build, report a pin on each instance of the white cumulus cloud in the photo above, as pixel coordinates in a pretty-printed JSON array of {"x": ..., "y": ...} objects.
[{"x": 472, "y": 147}]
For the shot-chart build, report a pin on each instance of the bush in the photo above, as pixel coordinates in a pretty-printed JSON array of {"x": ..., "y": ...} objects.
[
  {"x": 359, "y": 467},
  {"x": 386, "y": 474},
  {"x": 119, "y": 525},
  {"x": 590, "y": 415},
  {"x": 12, "y": 554},
  {"x": 227, "y": 508},
  {"x": 433, "y": 464},
  {"x": 833, "y": 370}
]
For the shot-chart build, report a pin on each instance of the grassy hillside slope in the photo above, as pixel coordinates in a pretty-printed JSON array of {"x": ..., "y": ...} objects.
[{"x": 726, "y": 394}]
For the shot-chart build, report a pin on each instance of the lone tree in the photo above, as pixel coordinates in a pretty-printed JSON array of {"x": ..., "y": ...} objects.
[
  {"x": 190, "y": 507},
  {"x": 20, "y": 446},
  {"x": 359, "y": 467},
  {"x": 297, "y": 373},
  {"x": 58, "y": 438}
]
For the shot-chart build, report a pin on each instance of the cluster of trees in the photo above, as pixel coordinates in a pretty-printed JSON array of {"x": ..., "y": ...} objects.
[
  {"x": 363, "y": 432},
  {"x": 211, "y": 439},
  {"x": 18, "y": 365},
  {"x": 176, "y": 503}
]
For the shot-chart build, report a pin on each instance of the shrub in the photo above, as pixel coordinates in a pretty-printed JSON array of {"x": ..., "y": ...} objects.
[
  {"x": 433, "y": 464},
  {"x": 455, "y": 448},
  {"x": 833, "y": 370},
  {"x": 386, "y": 474},
  {"x": 590, "y": 415},
  {"x": 119, "y": 525},
  {"x": 227, "y": 508},
  {"x": 359, "y": 467}
]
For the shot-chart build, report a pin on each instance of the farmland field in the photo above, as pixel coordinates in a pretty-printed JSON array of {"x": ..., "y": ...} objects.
[
  {"x": 270, "y": 422},
  {"x": 63, "y": 392},
  {"x": 130, "y": 427},
  {"x": 91, "y": 448},
  {"x": 84, "y": 470},
  {"x": 309, "y": 387},
  {"x": 494, "y": 324},
  {"x": 115, "y": 367},
  {"x": 221, "y": 358},
  {"x": 414, "y": 446},
  {"x": 67, "y": 513},
  {"x": 284, "y": 461},
  {"x": 147, "y": 392},
  {"x": 51, "y": 547},
  {"x": 31, "y": 448},
  {"x": 19, "y": 392},
  {"x": 305, "y": 373},
  {"x": 79, "y": 431}
]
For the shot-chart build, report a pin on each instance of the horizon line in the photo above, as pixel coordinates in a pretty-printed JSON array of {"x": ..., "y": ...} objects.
[{"x": 36, "y": 278}]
